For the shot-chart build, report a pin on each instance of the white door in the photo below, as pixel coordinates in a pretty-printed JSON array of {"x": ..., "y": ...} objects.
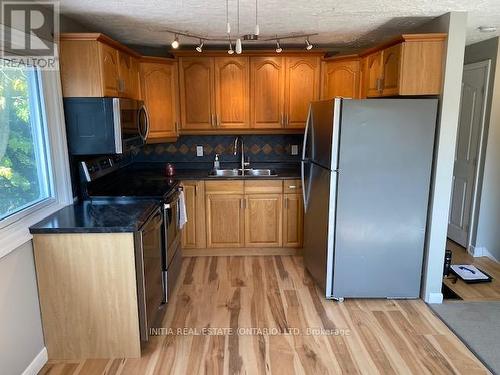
[{"x": 470, "y": 127}]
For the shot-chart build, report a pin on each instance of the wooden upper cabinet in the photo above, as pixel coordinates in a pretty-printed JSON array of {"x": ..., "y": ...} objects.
[
  {"x": 197, "y": 93},
  {"x": 110, "y": 71},
  {"x": 94, "y": 65},
  {"x": 159, "y": 92},
  {"x": 128, "y": 68},
  {"x": 267, "y": 75},
  {"x": 340, "y": 79},
  {"x": 391, "y": 65},
  {"x": 232, "y": 92},
  {"x": 373, "y": 74},
  {"x": 413, "y": 65},
  {"x": 302, "y": 87}
]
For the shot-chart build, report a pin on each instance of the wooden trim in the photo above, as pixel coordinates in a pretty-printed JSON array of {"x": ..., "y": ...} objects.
[
  {"x": 99, "y": 37},
  {"x": 157, "y": 60},
  {"x": 350, "y": 57},
  {"x": 405, "y": 38},
  {"x": 219, "y": 131},
  {"x": 241, "y": 251},
  {"x": 263, "y": 52}
]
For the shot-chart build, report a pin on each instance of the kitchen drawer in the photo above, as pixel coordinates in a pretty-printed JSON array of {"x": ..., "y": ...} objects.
[
  {"x": 263, "y": 187},
  {"x": 224, "y": 187},
  {"x": 292, "y": 186}
]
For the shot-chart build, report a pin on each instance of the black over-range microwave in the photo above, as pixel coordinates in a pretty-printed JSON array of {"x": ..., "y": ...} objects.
[{"x": 99, "y": 126}]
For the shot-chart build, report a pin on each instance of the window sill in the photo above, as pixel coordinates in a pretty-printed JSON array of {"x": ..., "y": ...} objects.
[{"x": 17, "y": 233}]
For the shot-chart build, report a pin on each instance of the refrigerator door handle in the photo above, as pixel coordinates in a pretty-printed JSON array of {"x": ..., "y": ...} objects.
[
  {"x": 306, "y": 131},
  {"x": 302, "y": 179}
]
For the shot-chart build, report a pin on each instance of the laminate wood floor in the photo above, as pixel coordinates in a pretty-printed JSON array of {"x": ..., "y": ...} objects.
[
  {"x": 474, "y": 292},
  {"x": 317, "y": 336}
]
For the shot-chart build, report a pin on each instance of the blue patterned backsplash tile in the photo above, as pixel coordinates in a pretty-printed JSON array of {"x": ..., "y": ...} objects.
[{"x": 259, "y": 148}]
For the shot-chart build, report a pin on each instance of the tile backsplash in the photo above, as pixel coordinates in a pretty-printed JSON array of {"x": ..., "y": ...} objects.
[{"x": 259, "y": 148}]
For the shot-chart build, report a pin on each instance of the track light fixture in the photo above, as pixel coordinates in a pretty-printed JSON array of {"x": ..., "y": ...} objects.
[
  {"x": 238, "y": 46},
  {"x": 278, "y": 47},
  {"x": 175, "y": 43},
  {"x": 230, "y": 50},
  {"x": 309, "y": 46},
  {"x": 199, "y": 47}
]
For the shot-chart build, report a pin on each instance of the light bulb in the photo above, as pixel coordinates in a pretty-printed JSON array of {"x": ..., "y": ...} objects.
[
  {"x": 238, "y": 46},
  {"x": 175, "y": 43},
  {"x": 199, "y": 48},
  {"x": 278, "y": 47},
  {"x": 257, "y": 31},
  {"x": 309, "y": 46},
  {"x": 230, "y": 50}
]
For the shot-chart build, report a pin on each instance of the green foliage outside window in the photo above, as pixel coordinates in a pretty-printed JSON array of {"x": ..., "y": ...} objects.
[{"x": 19, "y": 182}]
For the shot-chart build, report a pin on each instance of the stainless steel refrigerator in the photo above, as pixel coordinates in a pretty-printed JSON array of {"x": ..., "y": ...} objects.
[{"x": 366, "y": 169}]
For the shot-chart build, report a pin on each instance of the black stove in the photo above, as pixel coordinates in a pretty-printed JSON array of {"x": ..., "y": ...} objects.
[{"x": 107, "y": 180}]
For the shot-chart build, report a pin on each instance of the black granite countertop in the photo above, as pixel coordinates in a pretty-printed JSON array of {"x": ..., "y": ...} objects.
[
  {"x": 151, "y": 172},
  {"x": 98, "y": 217}
]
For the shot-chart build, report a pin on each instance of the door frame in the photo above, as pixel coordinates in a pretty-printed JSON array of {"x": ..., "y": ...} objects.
[{"x": 483, "y": 137}]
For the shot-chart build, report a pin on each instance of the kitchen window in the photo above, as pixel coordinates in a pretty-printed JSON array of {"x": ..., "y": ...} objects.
[
  {"x": 34, "y": 168},
  {"x": 25, "y": 175}
]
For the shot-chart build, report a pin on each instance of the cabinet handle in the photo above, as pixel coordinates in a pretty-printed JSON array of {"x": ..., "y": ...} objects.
[
  {"x": 195, "y": 190},
  {"x": 281, "y": 119},
  {"x": 212, "y": 120},
  {"x": 218, "y": 120},
  {"x": 292, "y": 187},
  {"x": 242, "y": 203},
  {"x": 287, "y": 119},
  {"x": 286, "y": 202}
]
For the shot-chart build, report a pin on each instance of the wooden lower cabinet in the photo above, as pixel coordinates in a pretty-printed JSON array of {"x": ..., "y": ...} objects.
[
  {"x": 263, "y": 219},
  {"x": 264, "y": 215},
  {"x": 225, "y": 220},
  {"x": 193, "y": 233},
  {"x": 293, "y": 220}
]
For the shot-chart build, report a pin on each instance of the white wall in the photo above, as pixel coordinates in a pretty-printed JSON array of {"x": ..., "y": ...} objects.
[
  {"x": 454, "y": 24},
  {"x": 21, "y": 338},
  {"x": 488, "y": 233}
]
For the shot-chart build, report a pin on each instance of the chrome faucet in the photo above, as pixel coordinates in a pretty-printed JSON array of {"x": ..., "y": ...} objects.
[{"x": 239, "y": 140}]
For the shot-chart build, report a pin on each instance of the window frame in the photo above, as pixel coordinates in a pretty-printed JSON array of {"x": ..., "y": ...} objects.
[{"x": 14, "y": 229}]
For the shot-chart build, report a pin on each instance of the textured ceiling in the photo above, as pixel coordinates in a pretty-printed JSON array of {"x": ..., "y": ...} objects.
[{"x": 339, "y": 23}]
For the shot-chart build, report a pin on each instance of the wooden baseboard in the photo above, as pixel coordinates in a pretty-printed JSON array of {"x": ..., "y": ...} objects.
[{"x": 241, "y": 251}]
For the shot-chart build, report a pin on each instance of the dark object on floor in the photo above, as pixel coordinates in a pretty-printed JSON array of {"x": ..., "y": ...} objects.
[
  {"x": 447, "y": 262},
  {"x": 449, "y": 294},
  {"x": 477, "y": 325}
]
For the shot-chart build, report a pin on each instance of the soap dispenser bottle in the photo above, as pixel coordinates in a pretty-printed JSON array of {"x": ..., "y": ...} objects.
[{"x": 216, "y": 162}]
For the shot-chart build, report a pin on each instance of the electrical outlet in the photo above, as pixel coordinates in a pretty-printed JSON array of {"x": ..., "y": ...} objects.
[
  {"x": 199, "y": 150},
  {"x": 295, "y": 150}
]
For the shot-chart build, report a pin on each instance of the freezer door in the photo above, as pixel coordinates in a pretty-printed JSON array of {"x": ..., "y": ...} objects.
[
  {"x": 386, "y": 152},
  {"x": 321, "y": 130},
  {"x": 318, "y": 226}
]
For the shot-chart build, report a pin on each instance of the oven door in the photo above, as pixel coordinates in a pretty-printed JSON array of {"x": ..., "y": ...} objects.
[{"x": 151, "y": 288}]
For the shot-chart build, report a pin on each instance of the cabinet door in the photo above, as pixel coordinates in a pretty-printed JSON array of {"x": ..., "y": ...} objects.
[
  {"x": 302, "y": 87},
  {"x": 197, "y": 93},
  {"x": 263, "y": 218},
  {"x": 293, "y": 216},
  {"x": 232, "y": 89},
  {"x": 373, "y": 74},
  {"x": 159, "y": 92},
  {"x": 193, "y": 233},
  {"x": 267, "y": 77},
  {"x": 391, "y": 70},
  {"x": 133, "y": 87},
  {"x": 340, "y": 79},
  {"x": 225, "y": 218},
  {"x": 110, "y": 77}
]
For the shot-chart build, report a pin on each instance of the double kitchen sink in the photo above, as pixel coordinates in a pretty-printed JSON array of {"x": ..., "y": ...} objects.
[{"x": 242, "y": 173}]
